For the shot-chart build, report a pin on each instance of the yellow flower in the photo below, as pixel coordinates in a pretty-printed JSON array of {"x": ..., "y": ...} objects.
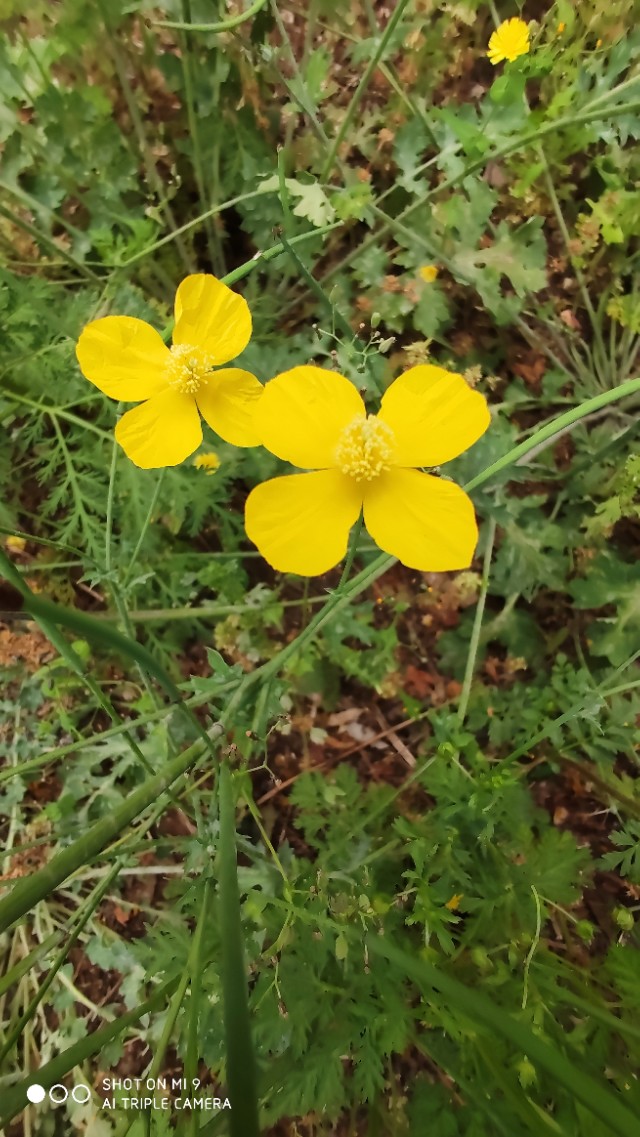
[
  {"x": 15, "y": 544},
  {"x": 454, "y": 902},
  {"x": 316, "y": 420},
  {"x": 127, "y": 360},
  {"x": 428, "y": 273},
  {"x": 209, "y": 462},
  {"x": 509, "y": 41},
  {"x": 561, "y": 27}
]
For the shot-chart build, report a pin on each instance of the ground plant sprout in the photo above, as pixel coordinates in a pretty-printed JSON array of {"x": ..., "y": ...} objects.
[{"x": 319, "y": 589}]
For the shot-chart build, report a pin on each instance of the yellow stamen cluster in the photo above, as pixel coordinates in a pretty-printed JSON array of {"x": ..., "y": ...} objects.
[
  {"x": 188, "y": 368},
  {"x": 365, "y": 448}
]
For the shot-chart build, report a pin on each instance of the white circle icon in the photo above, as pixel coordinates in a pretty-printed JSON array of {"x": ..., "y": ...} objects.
[
  {"x": 75, "y": 1094},
  {"x": 54, "y": 1097},
  {"x": 35, "y": 1093}
]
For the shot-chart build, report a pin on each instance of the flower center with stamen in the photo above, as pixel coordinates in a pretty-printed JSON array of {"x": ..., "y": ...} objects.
[
  {"x": 188, "y": 368},
  {"x": 365, "y": 448}
]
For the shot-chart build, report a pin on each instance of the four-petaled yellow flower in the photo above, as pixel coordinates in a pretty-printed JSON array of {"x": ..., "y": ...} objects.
[
  {"x": 127, "y": 359},
  {"x": 317, "y": 420},
  {"x": 509, "y": 41}
]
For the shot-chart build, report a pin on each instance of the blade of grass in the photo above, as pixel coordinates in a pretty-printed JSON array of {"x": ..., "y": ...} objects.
[
  {"x": 221, "y": 25},
  {"x": 362, "y": 86},
  {"x": 88, "y": 908},
  {"x": 28, "y": 891},
  {"x": 241, "y": 1067},
  {"x": 19, "y": 969},
  {"x": 14, "y": 1099}
]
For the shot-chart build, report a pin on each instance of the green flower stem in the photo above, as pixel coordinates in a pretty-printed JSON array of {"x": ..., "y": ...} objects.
[
  {"x": 362, "y": 86},
  {"x": 351, "y": 551},
  {"x": 153, "y": 177},
  {"x": 547, "y": 433},
  {"x": 203, "y": 611},
  {"x": 143, "y": 532},
  {"x": 14, "y": 1099},
  {"x": 240, "y": 1060},
  {"x": 276, "y": 250},
  {"x": 193, "y": 1054},
  {"x": 15, "y": 973},
  {"x": 213, "y": 239},
  {"x": 220, "y": 26},
  {"x": 477, "y": 624},
  {"x": 339, "y": 319}
]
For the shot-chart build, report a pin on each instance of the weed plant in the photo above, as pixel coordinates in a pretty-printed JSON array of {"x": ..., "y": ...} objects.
[{"x": 354, "y": 852}]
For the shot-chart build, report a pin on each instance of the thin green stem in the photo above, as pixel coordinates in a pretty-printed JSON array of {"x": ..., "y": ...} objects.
[
  {"x": 551, "y": 429},
  {"x": 213, "y": 240},
  {"x": 196, "y": 969},
  {"x": 589, "y": 115},
  {"x": 153, "y": 178},
  {"x": 143, "y": 532},
  {"x": 595, "y": 322},
  {"x": 362, "y": 86},
  {"x": 221, "y": 25},
  {"x": 82, "y": 917},
  {"x": 351, "y": 551},
  {"x": 40, "y": 236},
  {"x": 477, "y": 624},
  {"x": 241, "y": 1068},
  {"x": 108, "y": 529}
]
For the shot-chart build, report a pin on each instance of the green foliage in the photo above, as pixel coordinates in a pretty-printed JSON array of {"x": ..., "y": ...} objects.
[{"x": 134, "y": 153}]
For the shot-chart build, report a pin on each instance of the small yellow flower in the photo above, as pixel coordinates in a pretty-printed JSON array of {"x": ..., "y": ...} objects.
[
  {"x": 317, "y": 420},
  {"x": 209, "y": 462},
  {"x": 509, "y": 41},
  {"x": 428, "y": 273},
  {"x": 561, "y": 28},
  {"x": 126, "y": 359},
  {"x": 15, "y": 544},
  {"x": 454, "y": 903}
]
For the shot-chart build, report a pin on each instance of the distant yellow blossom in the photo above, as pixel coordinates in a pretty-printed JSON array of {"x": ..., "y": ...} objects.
[
  {"x": 509, "y": 41},
  {"x": 428, "y": 273},
  {"x": 561, "y": 27},
  {"x": 454, "y": 902},
  {"x": 209, "y": 462},
  {"x": 126, "y": 359},
  {"x": 15, "y": 544},
  {"x": 317, "y": 421}
]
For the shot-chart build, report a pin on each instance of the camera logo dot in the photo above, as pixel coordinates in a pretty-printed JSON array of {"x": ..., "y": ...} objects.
[{"x": 58, "y": 1094}]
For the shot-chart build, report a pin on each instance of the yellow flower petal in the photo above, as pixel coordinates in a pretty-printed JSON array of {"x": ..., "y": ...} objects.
[
  {"x": 301, "y": 523},
  {"x": 123, "y": 357},
  {"x": 302, "y": 414},
  {"x": 509, "y": 41},
  {"x": 162, "y": 432},
  {"x": 227, "y": 402},
  {"x": 434, "y": 415},
  {"x": 209, "y": 315},
  {"x": 425, "y": 522}
]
